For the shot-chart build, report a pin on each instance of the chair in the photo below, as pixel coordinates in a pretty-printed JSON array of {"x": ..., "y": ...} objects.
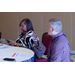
[{"x": 46, "y": 40}]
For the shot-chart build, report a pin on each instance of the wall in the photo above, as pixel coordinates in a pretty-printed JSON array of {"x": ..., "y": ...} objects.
[{"x": 9, "y": 23}]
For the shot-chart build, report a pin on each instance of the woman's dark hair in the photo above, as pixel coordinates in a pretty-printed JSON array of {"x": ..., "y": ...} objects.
[{"x": 28, "y": 24}]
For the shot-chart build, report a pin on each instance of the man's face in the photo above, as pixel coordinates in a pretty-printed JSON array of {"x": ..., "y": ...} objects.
[{"x": 49, "y": 29}]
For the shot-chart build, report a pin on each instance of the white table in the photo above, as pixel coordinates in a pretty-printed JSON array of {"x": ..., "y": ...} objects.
[{"x": 9, "y": 51}]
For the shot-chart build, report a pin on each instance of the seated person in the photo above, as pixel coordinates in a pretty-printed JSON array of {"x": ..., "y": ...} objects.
[
  {"x": 0, "y": 36},
  {"x": 59, "y": 50},
  {"x": 29, "y": 39}
]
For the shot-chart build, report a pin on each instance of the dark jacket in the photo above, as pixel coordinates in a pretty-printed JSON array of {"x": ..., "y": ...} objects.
[
  {"x": 59, "y": 50},
  {"x": 39, "y": 50}
]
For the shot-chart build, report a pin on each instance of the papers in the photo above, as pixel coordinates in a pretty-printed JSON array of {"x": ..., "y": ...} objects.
[
  {"x": 21, "y": 55},
  {"x": 4, "y": 46}
]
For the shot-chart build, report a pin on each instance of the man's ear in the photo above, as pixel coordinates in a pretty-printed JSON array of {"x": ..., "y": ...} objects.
[{"x": 53, "y": 29}]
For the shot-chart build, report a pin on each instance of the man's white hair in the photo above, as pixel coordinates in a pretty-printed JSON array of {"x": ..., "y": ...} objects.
[{"x": 56, "y": 24}]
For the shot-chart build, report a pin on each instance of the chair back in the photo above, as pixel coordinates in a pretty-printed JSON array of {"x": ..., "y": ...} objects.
[{"x": 46, "y": 40}]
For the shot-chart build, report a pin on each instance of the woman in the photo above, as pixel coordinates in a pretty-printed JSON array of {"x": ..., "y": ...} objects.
[
  {"x": 29, "y": 39},
  {"x": 25, "y": 26}
]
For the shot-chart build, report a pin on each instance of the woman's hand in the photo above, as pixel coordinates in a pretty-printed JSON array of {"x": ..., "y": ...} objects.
[
  {"x": 12, "y": 43},
  {"x": 35, "y": 42}
]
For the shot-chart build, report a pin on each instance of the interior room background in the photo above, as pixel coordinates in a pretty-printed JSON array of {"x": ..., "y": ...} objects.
[{"x": 9, "y": 24}]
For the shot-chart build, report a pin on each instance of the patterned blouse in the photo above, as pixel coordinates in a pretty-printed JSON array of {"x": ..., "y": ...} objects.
[{"x": 30, "y": 38}]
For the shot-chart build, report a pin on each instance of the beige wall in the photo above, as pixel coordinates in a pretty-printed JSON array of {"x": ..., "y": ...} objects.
[{"x": 9, "y": 23}]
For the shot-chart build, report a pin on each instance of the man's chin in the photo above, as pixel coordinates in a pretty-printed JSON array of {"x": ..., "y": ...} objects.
[{"x": 48, "y": 33}]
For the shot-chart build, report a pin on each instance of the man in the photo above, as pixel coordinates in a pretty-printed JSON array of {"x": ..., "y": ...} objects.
[{"x": 60, "y": 48}]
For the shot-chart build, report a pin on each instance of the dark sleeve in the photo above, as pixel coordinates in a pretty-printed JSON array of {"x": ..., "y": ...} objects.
[{"x": 39, "y": 50}]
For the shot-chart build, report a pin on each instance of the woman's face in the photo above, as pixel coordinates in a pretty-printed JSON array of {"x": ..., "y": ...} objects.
[{"x": 23, "y": 27}]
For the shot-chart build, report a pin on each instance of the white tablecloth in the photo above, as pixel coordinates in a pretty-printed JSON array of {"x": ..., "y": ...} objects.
[{"x": 22, "y": 54}]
